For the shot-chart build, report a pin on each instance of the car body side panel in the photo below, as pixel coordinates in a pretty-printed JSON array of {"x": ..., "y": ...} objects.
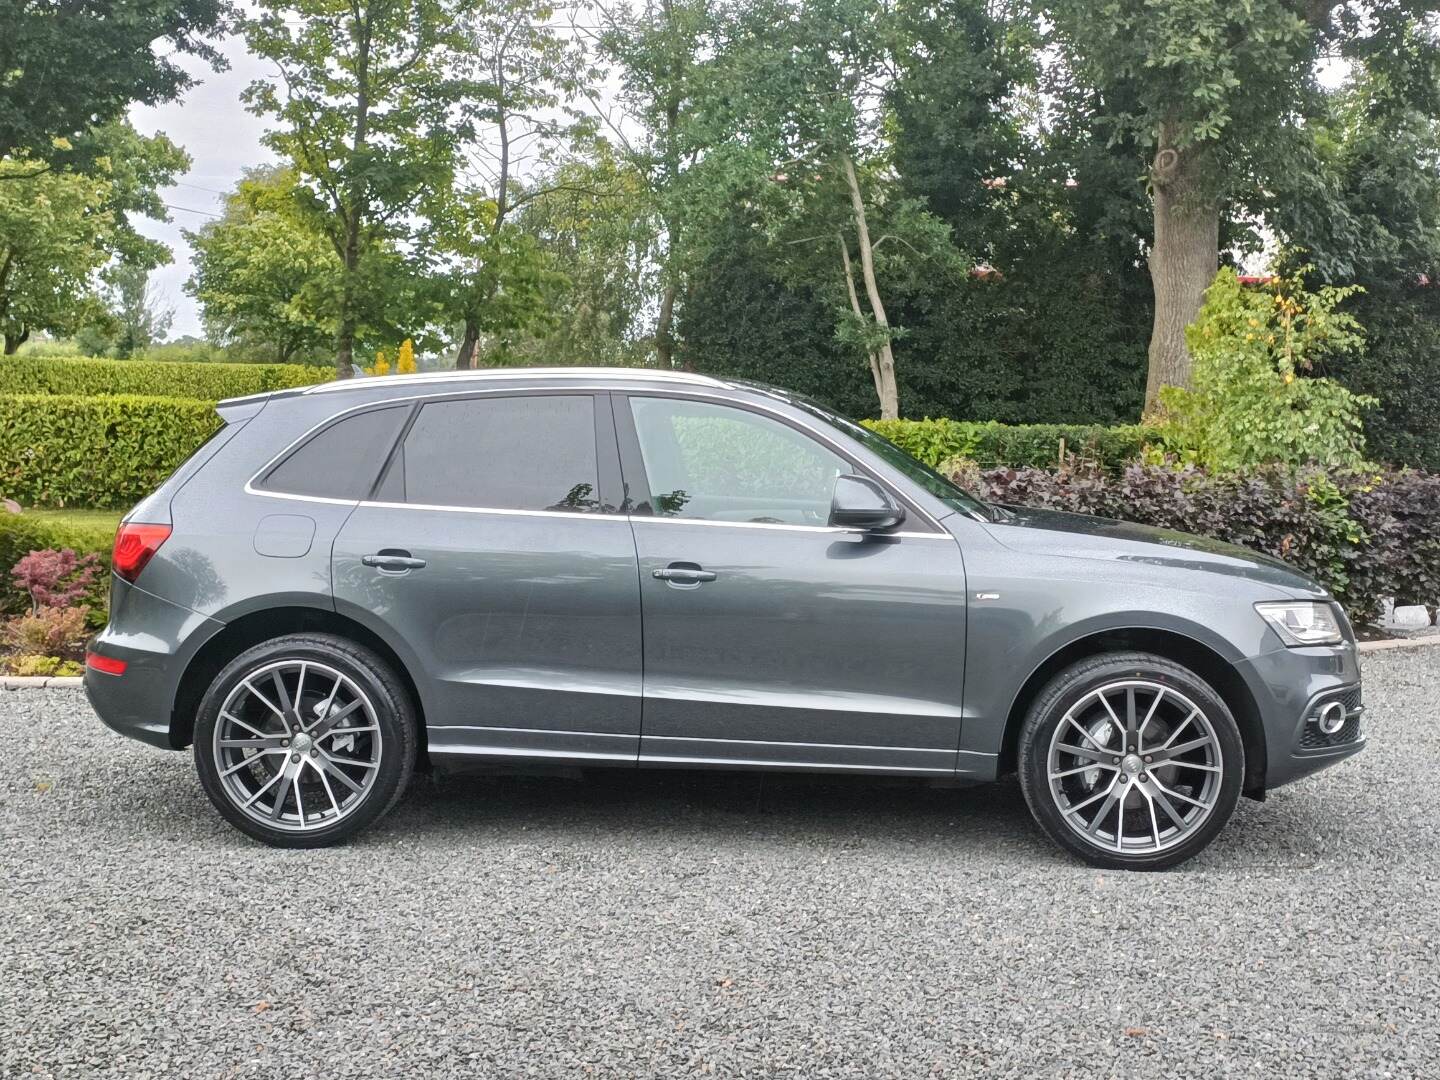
[
  {"x": 525, "y": 627},
  {"x": 1028, "y": 605},
  {"x": 212, "y": 564}
]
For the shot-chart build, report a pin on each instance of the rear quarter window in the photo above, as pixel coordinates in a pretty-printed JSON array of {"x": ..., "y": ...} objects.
[{"x": 342, "y": 460}]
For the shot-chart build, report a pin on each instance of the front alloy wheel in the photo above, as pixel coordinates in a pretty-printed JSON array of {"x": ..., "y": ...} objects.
[
  {"x": 1131, "y": 761},
  {"x": 304, "y": 740}
]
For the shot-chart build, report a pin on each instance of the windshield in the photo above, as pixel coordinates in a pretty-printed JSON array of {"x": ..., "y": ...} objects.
[{"x": 902, "y": 462}]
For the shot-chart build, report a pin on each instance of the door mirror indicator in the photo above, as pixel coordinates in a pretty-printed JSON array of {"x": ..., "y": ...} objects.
[{"x": 860, "y": 503}]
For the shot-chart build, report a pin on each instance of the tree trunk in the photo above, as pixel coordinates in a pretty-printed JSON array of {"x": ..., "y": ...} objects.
[
  {"x": 465, "y": 358},
  {"x": 873, "y": 359},
  {"x": 888, "y": 391},
  {"x": 14, "y": 341},
  {"x": 665, "y": 329},
  {"x": 1183, "y": 261}
]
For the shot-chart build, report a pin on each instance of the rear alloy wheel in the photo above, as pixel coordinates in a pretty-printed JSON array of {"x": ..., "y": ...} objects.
[
  {"x": 305, "y": 740},
  {"x": 1131, "y": 761}
]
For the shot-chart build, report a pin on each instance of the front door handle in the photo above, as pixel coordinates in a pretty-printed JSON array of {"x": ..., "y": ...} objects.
[
  {"x": 683, "y": 574},
  {"x": 392, "y": 560}
]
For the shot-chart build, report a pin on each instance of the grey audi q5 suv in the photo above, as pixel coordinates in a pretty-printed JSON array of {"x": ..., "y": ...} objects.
[{"x": 577, "y": 567}]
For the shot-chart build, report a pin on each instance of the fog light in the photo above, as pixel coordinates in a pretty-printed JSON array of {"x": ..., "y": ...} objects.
[{"x": 1331, "y": 717}]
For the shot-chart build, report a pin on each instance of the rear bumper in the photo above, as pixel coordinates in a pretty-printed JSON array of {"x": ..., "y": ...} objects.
[
  {"x": 156, "y": 639},
  {"x": 1290, "y": 685}
]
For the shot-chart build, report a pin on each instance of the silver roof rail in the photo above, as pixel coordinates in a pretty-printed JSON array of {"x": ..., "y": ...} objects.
[{"x": 638, "y": 374}]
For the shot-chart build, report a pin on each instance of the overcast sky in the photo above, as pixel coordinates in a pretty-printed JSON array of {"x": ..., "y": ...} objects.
[{"x": 222, "y": 140}]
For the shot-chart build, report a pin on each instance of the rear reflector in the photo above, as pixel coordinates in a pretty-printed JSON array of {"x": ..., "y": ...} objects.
[
  {"x": 108, "y": 664},
  {"x": 135, "y": 543}
]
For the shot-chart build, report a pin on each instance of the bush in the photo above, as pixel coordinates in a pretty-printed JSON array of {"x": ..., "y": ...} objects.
[
  {"x": 1253, "y": 401},
  {"x": 21, "y": 534},
  {"x": 105, "y": 451},
  {"x": 1363, "y": 535},
  {"x": 1015, "y": 445},
  {"x": 155, "y": 378}
]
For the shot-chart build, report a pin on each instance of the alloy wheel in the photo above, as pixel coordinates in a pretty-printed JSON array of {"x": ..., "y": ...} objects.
[
  {"x": 297, "y": 745},
  {"x": 1134, "y": 767}
]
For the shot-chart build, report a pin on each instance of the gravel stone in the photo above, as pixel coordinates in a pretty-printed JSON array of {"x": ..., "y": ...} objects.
[{"x": 678, "y": 924}]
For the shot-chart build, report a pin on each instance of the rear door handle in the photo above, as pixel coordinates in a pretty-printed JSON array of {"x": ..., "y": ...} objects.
[
  {"x": 684, "y": 575},
  {"x": 393, "y": 561}
]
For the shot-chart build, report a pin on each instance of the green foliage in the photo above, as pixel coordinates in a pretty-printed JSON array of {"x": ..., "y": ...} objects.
[
  {"x": 1363, "y": 535},
  {"x": 369, "y": 112},
  {"x": 263, "y": 273},
  {"x": 70, "y": 66},
  {"x": 1401, "y": 367},
  {"x": 152, "y": 378},
  {"x": 936, "y": 442},
  {"x": 36, "y": 666},
  {"x": 58, "y": 450},
  {"x": 1253, "y": 402},
  {"x": 55, "y": 230}
]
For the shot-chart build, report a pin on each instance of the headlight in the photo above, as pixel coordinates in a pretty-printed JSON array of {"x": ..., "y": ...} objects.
[{"x": 1302, "y": 622}]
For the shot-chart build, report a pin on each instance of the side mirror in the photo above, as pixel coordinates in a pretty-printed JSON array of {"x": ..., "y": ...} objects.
[{"x": 860, "y": 503}]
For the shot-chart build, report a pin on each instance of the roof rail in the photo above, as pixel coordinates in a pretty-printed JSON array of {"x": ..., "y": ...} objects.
[{"x": 639, "y": 374}]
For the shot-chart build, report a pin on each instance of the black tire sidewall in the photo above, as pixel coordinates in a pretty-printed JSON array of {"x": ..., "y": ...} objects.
[
  {"x": 1070, "y": 686},
  {"x": 394, "y": 716}
]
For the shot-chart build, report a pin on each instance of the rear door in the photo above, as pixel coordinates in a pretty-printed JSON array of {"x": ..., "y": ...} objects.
[{"x": 493, "y": 545}]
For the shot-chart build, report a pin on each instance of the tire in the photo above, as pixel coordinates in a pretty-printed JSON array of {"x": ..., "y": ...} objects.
[
  {"x": 306, "y": 740},
  {"x": 1151, "y": 804}
]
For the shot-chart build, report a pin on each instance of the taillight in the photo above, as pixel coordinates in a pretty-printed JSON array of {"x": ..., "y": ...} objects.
[
  {"x": 135, "y": 544},
  {"x": 108, "y": 664}
]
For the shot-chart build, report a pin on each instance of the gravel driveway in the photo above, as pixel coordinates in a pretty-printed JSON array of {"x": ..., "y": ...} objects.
[{"x": 679, "y": 924}]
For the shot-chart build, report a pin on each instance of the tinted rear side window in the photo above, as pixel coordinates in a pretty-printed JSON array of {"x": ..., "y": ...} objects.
[
  {"x": 500, "y": 453},
  {"x": 341, "y": 461}
]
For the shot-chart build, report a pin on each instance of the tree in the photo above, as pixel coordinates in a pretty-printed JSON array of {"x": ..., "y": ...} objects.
[
  {"x": 70, "y": 65},
  {"x": 263, "y": 273},
  {"x": 55, "y": 233},
  {"x": 367, "y": 117},
  {"x": 141, "y": 318},
  {"x": 1216, "y": 96},
  {"x": 661, "y": 49},
  {"x": 592, "y": 216},
  {"x": 805, "y": 125},
  {"x": 491, "y": 277}
]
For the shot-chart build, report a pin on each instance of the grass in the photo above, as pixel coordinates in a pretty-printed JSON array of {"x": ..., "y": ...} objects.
[{"x": 90, "y": 521}]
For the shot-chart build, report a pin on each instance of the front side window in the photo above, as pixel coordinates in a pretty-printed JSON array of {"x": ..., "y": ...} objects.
[
  {"x": 342, "y": 460},
  {"x": 499, "y": 453},
  {"x": 716, "y": 463}
]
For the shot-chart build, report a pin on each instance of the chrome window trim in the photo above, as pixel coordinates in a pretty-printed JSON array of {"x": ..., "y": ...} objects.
[{"x": 940, "y": 533}]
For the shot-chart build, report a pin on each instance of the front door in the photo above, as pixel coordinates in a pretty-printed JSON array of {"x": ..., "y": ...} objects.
[
  {"x": 491, "y": 550},
  {"x": 771, "y": 638}
]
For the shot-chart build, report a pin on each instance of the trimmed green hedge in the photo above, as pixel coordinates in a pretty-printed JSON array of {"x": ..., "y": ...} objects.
[
  {"x": 21, "y": 534},
  {"x": 156, "y": 378},
  {"x": 1014, "y": 445},
  {"x": 103, "y": 451}
]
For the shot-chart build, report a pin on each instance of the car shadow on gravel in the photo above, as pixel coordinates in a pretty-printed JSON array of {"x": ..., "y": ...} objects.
[
  {"x": 988, "y": 822},
  {"x": 1297, "y": 829}
]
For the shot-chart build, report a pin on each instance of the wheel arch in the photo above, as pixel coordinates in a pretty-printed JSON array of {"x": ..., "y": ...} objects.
[
  {"x": 1181, "y": 648},
  {"x": 256, "y": 626}
]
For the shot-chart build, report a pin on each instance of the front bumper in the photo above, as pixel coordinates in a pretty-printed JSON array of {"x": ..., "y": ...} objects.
[
  {"x": 156, "y": 639},
  {"x": 1290, "y": 686}
]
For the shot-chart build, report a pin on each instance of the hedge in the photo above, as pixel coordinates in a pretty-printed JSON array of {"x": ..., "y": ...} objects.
[
  {"x": 103, "y": 451},
  {"x": 156, "y": 378},
  {"x": 1015, "y": 445},
  {"x": 1365, "y": 535},
  {"x": 21, "y": 534}
]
